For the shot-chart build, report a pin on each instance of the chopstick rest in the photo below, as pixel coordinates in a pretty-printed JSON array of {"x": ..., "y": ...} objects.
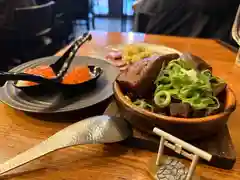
[{"x": 181, "y": 147}]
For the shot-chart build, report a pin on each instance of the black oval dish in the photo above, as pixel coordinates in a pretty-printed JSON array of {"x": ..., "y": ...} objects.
[{"x": 44, "y": 88}]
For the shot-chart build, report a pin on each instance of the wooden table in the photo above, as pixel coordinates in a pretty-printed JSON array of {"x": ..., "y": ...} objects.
[{"x": 18, "y": 131}]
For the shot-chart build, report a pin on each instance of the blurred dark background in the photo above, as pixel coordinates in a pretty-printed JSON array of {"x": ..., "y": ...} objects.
[{"x": 30, "y": 29}]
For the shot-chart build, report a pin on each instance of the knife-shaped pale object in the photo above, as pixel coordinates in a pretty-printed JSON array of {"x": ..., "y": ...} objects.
[{"x": 93, "y": 130}]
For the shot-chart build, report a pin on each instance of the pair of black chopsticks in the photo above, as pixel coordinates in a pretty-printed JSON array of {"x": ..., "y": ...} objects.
[{"x": 61, "y": 66}]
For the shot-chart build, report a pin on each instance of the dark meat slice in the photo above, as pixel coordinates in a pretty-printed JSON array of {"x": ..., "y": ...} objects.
[
  {"x": 199, "y": 64},
  {"x": 222, "y": 96},
  {"x": 219, "y": 88},
  {"x": 139, "y": 77},
  {"x": 162, "y": 111},
  {"x": 180, "y": 110},
  {"x": 199, "y": 113}
]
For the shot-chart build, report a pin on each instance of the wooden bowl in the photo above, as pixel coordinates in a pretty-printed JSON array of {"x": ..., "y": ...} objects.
[{"x": 184, "y": 128}]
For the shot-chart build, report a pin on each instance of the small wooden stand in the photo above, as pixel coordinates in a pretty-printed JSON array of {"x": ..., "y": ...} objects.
[{"x": 178, "y": 146}]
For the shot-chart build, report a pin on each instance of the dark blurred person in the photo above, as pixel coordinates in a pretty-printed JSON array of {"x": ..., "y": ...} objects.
[
  {"x": 7, "y": 31},
  {"x": 193, "y": 18},
  {"x": 11, "y": 5}
]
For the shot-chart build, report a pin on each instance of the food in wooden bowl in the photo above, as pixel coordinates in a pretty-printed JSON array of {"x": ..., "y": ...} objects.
[{"x": 177, "y": 94}]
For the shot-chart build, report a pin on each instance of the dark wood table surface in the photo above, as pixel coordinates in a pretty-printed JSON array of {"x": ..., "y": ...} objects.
[{"x": 19, "y": 131}]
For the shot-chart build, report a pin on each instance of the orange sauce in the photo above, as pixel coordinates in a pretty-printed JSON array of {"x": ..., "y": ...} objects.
[{"x": 77, "y": 75}]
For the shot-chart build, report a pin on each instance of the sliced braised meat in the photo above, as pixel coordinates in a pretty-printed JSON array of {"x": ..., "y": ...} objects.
[
  {"x": 219, "y": 88},
  {"x": 199, "y": 113},
  {"x": 180, "y": 110},
  {"x": 139, "y": 77},
  {"x": 163, "y": 111}
]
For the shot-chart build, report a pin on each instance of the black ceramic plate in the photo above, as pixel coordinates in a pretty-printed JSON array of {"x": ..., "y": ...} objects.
[{"x": 57, "y": 101}]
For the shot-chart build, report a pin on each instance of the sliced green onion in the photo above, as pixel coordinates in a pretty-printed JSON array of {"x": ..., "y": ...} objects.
[
  {"x": 162, "y": 99},
  {"x": 143, "y": 104},
  {"x": 216, "y": 105},
  {"x": 181, "y": 81}
]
